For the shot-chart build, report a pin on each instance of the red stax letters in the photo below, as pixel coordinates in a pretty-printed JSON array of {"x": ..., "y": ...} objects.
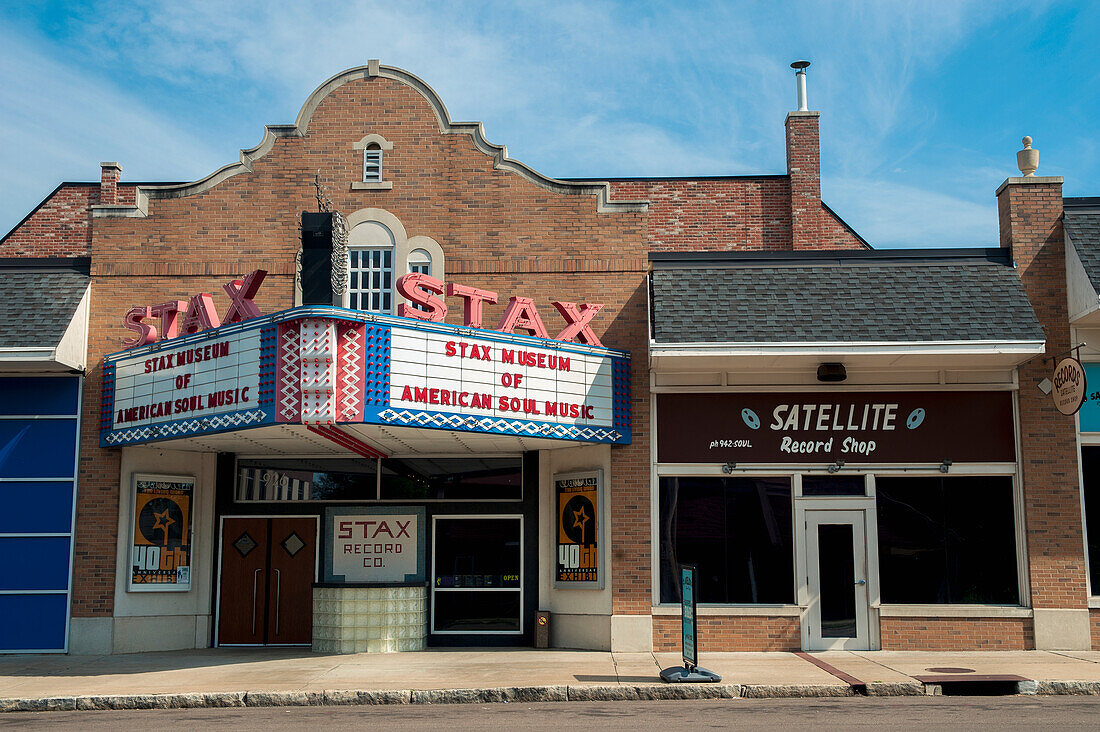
[
  {"x": 471, "y": 310},
  {"x": 522, "y": 313},
  {"x": 198, "y": 313},
  {"x": 201, "y": 314},
  {"x": 169, "y": 313},
  {"x": 240, "y": 294},
  {"x": 146, "y": 333},
  {"x": 419, "y": 288},
  {"x": 578, "y": 321}
]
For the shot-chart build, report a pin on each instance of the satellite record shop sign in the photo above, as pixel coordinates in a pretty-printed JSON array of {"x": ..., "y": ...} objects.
[{"x": 326, "y": 366}]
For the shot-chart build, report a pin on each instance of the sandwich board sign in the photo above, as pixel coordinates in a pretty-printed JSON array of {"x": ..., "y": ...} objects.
[{"x": 689, "y": 633}]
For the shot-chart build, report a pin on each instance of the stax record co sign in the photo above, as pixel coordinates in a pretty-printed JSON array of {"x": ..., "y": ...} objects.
[{"x": 191, "y": 370}]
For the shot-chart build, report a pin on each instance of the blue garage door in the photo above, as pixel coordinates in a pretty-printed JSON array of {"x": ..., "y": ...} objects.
[{"x": 39, "y": 428}]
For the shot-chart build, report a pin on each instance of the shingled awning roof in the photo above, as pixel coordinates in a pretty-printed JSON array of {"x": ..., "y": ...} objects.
[
  {"x": 971, "y": 300},
  {"x": 41, "y": 320}
]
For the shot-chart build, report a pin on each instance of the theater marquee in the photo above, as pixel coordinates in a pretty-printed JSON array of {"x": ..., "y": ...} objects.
[{"x": 324, "y": 366}]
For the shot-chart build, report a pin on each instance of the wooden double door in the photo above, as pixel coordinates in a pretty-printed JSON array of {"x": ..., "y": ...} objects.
[{"x": 268, "y": 567}]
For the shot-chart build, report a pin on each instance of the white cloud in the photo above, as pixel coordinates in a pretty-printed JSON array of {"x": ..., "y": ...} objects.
[
  {"x": 891, "y": 215},
  {"x": 60, "y": 123}
]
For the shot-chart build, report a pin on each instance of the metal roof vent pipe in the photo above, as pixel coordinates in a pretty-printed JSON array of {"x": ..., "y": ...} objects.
[{"x": 800, "y": 79}]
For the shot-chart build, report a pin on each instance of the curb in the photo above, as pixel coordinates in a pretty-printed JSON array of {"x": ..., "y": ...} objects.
[{"x": 507, "y": 694}]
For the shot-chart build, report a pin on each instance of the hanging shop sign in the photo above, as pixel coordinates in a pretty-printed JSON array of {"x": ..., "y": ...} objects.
[
  {"x": 857, "y": 427},
  {"x": 383, "y": 544},
  {"x": 579, "y": 497},
  {"x": 1069, "y": 386},
  {"x": 322, "y": 366},
  {"x": 161, "y": 533}
]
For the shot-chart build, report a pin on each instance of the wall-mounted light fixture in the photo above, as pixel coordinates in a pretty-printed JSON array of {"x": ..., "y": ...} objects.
[
  {"x": 835, "y": 466},
  {"x": 945, "y": 465},
  {"x": 728, "y": 468},
  {"x": 831, "y": 372}
]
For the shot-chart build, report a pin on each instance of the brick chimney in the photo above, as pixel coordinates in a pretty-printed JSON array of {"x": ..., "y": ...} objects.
[
  {"x": 1030, "y": 213},
  {"x": 804, "y": 168},
  {"x": 109, "y": 175}
]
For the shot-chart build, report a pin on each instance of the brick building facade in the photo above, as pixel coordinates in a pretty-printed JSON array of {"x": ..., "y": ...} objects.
[{"x": 485, "y": 221}]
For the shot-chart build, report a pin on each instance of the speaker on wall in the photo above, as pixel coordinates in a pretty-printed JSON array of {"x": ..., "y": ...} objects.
[{"x": 316, "y": 258}]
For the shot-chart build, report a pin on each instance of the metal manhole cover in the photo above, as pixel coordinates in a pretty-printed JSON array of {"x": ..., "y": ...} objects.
[
  {"x": 293, "y": 544},
  {"x": 244, "y": 544},
  {"x": 950, "y": 670}
]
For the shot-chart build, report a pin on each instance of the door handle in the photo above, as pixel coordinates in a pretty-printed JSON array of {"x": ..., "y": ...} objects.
[
  {"x": 255, "y": 584},
  {"x": 278, "y": 594},
  {"x": 861, "y": 582}
]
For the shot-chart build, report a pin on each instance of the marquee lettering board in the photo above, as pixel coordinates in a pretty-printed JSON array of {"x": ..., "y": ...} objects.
[{"x": 326, "y": 365}]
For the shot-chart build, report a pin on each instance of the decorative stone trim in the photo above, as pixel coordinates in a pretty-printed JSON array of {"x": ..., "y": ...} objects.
[
  {"x": 499, "y": 153},
  {"x": 383, "y": 143},
  {"x": 384, "y": 185}
]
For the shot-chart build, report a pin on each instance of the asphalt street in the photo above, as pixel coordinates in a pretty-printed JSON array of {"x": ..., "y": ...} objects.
[{"x": 1047, "y": 712}]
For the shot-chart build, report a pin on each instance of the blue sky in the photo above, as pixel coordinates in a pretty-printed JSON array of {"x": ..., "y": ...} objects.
[{"x": 922, "y": 104}]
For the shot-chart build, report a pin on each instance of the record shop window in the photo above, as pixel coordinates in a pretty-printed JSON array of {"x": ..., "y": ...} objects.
[
  {"x": 947, "y": 540},
  {"x": 739, "y": 533},
  {"x": 370, "y": 272}
]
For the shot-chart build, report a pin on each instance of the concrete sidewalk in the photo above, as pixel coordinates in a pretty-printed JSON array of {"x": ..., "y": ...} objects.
[{"x": 281, "y": 677}]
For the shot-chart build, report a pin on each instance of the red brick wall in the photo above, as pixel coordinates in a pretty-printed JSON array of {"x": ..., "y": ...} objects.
[
  {"x": 1094, "y": 620},
  {"x": 1031, "y": 223},
  {"x": 61, "y": 227},
  {"x": 62, "y": 224},
  {"x": 956, "y": 634},
  {"x": 724, "y": 633}
]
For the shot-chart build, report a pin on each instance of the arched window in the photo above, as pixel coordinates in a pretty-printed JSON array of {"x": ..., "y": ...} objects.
[
  {"x": 371, "y": 255},
  {"x": 420, "y": 261},
  {"x": 372, "y": 163}
]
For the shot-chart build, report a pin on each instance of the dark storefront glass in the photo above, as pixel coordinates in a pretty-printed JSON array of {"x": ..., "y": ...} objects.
[
  {"x": 947, "y": 540},
  {"x": 414, "y": 479},
  {"x": 452, "y": 479},
  {"x": 738, "y": 532},
  {"x": 1090, "y": 469},
  {"x": 477, "y": 574},
  {"x": 836, "y": 569},
  {"x": 321, "y": 479},
  {"x": 833, "y": 485}
]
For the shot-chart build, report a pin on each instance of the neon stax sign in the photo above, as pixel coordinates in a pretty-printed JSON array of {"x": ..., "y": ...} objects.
[{"x": 183, "y": 317}]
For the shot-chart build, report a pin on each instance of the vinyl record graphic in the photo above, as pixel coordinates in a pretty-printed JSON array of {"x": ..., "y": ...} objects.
[{"x": 578, "y": 520}]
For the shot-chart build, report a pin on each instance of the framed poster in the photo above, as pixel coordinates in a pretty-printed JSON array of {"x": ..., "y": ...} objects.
[
  {"x": 160, "y": 538},
  {"x": 578, "y": 501}
]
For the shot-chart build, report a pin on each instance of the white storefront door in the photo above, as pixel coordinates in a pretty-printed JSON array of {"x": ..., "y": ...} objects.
[{"x": 837, "y": 613}]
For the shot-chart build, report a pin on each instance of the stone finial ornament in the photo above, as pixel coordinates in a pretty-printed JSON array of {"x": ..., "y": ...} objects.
[{"x": 1027, "y": 159}]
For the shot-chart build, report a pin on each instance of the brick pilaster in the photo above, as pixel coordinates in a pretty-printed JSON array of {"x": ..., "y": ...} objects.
[{"x": 1030, "y": 214}]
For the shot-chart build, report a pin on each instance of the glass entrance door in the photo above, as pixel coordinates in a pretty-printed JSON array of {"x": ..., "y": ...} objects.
[
  {"x": 836, "y": 566},
  {"x": 477, "y": 575}
]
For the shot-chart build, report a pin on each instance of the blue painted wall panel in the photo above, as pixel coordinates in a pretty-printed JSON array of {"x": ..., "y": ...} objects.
[
  {"x": 42, "y": 448},
  {"x": 34, "y": 563},
  {"x": 37, "y": 507},
  {"x": 39, "y": 395},
  {"x": 32, "y": 622},
  {"x": 1090, "y": 410}
]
